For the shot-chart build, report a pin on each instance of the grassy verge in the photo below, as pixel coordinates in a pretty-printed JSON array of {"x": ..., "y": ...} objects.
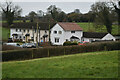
[{"x": 87, "y": 65}]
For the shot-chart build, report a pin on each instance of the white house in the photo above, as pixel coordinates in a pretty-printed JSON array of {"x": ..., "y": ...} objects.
[
  {"x": 95, "y": 36},
  {"x": 27, "y": 32},
  {"x": 64, "y": 31}
]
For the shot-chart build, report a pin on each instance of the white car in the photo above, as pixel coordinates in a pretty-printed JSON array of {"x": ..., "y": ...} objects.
[
  {"x": 29, "y": 45},
  {"x": 13, "y": 44}
]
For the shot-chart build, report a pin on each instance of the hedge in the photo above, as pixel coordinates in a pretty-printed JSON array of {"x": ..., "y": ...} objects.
[
  {"x": 16, "y": 55},
  {"x": 56, "y": 51}
]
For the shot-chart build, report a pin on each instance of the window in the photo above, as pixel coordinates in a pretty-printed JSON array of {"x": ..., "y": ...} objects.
[
  {"x": 16, "y": 30},
  {"x": 45, "y": 31},
  {"x": 72, "y": 31},
  {"x": 20, "y": 37},
  {"x": 20, "y": 30},
  {"x": 60, "y": 32},
  {"x": 16, "y": 37},
  {"x": 66, "y": 39},
  {"x": 24, "y": 37},
  {"x": 28, "y": 30},
  {"x": 56, "y": 40},
  {"x": 55, "y": 32},
  {"x": 24, "y": 30}
]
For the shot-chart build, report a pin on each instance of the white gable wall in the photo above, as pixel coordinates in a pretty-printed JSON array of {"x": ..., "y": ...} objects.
[
  {"x": 108, "y": 37},
  {"x": 60, "y": 36},
  {"x": 65, "y": 35}
]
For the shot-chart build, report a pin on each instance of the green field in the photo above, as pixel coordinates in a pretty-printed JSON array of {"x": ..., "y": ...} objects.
[
  {"x": 89, "y": 27},
  {"x": 5, "y": 33},
  {"x": 87, "y": 65}
]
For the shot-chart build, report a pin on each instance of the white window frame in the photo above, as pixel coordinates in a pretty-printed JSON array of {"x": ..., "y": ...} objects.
[{"x": 57, "y": 40}]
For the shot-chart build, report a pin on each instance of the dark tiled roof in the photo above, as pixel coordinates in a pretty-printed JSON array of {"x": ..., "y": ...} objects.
[
  {"x": 43, "y": 26},
  {"x": 70, "y": 26},
  {"x": 93, "y": 35}
]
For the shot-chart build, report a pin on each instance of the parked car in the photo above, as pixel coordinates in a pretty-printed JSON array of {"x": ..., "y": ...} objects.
[
  {"x": 13, "y": 44},
  {"x": 29, "y": 45},
  {"x": 83, "y": 43},
  {"x": 10, "y": 40}
]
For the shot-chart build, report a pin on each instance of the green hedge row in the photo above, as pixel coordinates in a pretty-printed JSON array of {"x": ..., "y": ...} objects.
[{"x": 56, "y": 51}]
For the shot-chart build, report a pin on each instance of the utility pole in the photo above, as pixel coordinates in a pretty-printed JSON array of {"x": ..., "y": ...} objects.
[
  {"x": 49, "y": 31},
  {"x": 37, "y": 35},
  {"x": 33, "y": 32}
]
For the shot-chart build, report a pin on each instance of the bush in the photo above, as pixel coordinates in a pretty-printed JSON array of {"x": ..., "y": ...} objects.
[
  {"x": 56, "y": 51},
  {"x": 9, "y": 47},
  {"x": 16, "y": 55},
  {"x": 68, "y": 43},
  {"x": 40, "y": 52}
]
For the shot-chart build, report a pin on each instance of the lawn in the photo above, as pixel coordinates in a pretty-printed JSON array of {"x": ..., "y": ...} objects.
[
  {"x": 5, "y": 33},
  {"x": 87, "y": 65},
  {"x": 89, "y": 27}
]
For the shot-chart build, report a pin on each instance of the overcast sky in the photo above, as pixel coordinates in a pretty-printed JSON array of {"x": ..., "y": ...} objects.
[{"x": 67, "y": 7}]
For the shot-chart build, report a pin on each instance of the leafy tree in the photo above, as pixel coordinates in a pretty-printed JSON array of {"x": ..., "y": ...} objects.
[
  {"x": 32, "y": 15},
  {"x": 40, "y": 13},
  {"x": 103, "y": 13},
  {"x": 73, "y": 17},
  {"x": 10, "y": 11},
  {"x": 54, "y": 11},
  {"x": 61, "y": 17},
  {"x": 77, "y": 11}
]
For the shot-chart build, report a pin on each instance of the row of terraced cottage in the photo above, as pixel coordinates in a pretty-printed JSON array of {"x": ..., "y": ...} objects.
[{"x": 56, "y": 33}]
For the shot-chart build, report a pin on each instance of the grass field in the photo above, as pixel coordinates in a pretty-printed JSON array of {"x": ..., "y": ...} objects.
[
  {"x": 5, "y": 33},
  {"x": 87, "y": 65},
  {"x": 89, "y": 27}
]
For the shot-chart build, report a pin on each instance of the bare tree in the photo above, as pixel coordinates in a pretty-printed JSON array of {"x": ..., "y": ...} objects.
[
  {"x": 10, "y": 11},
  {"x": 117, "y": 9}
]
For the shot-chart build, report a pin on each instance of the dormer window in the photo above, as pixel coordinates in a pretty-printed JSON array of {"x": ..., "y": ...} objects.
[{"x": 72, "y": 31}]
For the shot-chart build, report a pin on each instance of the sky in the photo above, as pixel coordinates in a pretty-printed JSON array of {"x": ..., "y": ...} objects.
[{"x": 65, "y": 5}]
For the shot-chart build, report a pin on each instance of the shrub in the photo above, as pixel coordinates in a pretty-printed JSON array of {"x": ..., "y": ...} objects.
[
  {"x": 68, "y": 43},
  {"x": 16, "y": 55},
  {"x": 56, "y": 51},
  {"x": 40, "y": 52},
  {"x": 9, "y": 47}
]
